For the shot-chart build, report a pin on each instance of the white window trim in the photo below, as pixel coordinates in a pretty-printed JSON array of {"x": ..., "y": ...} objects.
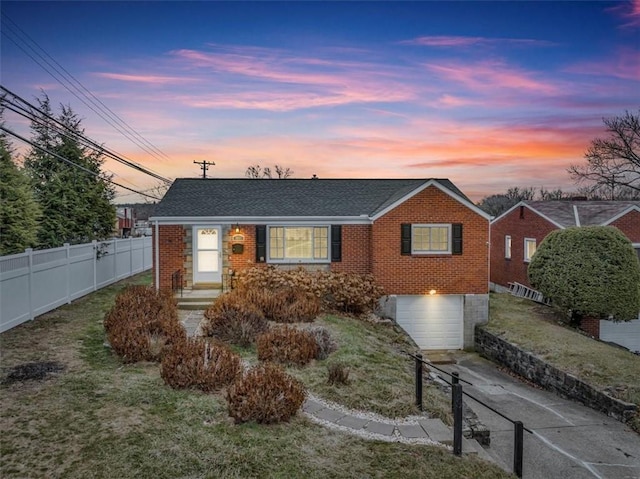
[
  {"x": 416, "y": 252},
  {"x": 526, "y": 240},
  {"x": 507, "y": 246},
  {"x": 298, "y": 260}
]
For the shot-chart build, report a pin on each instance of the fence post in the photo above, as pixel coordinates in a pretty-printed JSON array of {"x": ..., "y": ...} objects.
[
  {"x": 518, "y": 444},
  {"x": 418, "y": 358},
  {"x": 68, "y": 271},
  {"x": 29, "y": 251},
  {"x": 455, "y": 379},
  {"x": 457, "y": 419},
  {"x": 95, "y": 264}
]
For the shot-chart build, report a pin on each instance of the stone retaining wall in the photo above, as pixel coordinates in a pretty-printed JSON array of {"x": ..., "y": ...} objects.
[{"x": 536, "y": 370}]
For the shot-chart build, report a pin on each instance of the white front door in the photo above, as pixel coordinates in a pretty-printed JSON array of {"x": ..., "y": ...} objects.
[{"x": 206, "y": 254}]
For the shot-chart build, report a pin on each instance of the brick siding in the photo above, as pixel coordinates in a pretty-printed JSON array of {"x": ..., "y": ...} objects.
[
  {"x": 521, "y": 223},
  {"x": 447, "y": 274},
  {"x": 591, "y": 326},
  {"x": 172, "y": 257},
  {"x": 629, "y": 224},
  {"x": 356, "y": 250}
]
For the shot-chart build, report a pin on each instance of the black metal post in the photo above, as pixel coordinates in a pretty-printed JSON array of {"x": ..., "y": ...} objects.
[
  {"x": 518, "y": 444},
  {"x": 419, "y": 381},
  {"x": 457, "y": 419},
  {"x": 455, "y": 379}
]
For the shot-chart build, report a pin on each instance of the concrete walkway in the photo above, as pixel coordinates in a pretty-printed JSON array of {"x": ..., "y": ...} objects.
[
  {"x": 569, "y": 440},
  {"x": 367, "y": 425}
]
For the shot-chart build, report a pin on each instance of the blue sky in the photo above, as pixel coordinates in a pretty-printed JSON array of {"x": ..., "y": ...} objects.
[{"x": 488, "y": 94}]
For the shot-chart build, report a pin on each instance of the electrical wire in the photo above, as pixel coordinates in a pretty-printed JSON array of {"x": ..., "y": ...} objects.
[
  {"x": 28, "y": 113},
  {"x": 62, "y": 75},
  {"x": 80, "y": 167}
]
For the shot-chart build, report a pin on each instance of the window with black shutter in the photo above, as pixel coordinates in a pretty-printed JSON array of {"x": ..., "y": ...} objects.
[
  {"x": 261, "y": 244},
  {"x": 405, "y": 239},
  {"x": 336, "y": 243},
  {"x": 456, "y": 238}
]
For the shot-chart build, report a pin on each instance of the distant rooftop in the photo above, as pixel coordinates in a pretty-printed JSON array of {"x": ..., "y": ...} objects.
[{"x": 588, "y": 213}]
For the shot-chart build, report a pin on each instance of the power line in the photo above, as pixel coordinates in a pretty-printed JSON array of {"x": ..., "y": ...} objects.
[
  {"x": 204, "y": 166},
  {"x": 80, "y": 167},
  {"x": 104, "y": 112},
  {"x": 28, "y": 113}
]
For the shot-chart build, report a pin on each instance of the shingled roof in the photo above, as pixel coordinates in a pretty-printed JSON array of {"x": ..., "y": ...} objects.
[
  {"x": 566, "y": 213},
  {"x": 214, "y": 197}
]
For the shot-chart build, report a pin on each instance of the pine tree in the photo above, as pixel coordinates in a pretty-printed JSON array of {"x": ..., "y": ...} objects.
[
  {"x": 19, "y": 211},
  {"x": 76, "y": 204}
]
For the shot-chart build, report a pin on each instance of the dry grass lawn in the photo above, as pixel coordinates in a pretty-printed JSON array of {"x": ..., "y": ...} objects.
[
  {"x": 538, "y": 329},
  {"x": 99, "y": 418}
]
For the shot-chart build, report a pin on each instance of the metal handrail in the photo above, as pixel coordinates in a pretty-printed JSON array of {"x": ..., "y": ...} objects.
[
  {"x": 176, "y": 282},
  {"x": 431, "y": 365}
]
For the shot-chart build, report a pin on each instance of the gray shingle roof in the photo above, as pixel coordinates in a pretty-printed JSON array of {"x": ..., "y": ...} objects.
[
  {"x": 193, "y": 197},
  {"x": 590, "y": 213}
]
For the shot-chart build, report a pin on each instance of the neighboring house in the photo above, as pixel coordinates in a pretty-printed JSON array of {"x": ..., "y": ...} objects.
[
  {"x": 125, "y": 218},
  {"x": 516, "y": 234},
  {"x": 423, "y": 240}
]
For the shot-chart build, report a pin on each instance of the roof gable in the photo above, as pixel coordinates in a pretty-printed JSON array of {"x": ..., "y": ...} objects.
[
  {"x": 567, "y": 213},
  {"x": 238, "y": 198}
]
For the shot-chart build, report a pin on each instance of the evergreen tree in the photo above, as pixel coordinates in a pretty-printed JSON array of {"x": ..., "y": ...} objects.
[
  {"x": 76, "y": 204},
  {"x": 19, "y": 211}
]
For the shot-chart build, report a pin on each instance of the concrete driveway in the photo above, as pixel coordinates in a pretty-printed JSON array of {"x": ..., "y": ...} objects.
[{"x": 569, "y": 440}]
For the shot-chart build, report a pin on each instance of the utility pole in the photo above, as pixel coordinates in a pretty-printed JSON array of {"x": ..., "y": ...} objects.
[{"x": 204, "y": 166}]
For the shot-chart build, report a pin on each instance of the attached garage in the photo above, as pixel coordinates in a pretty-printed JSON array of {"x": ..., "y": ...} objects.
[{"x": 432, "y": 321}]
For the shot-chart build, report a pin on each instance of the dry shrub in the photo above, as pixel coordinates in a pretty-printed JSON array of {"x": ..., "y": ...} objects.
[
  {"x": 326, "y": 344},
  {"x": 200, "y": 364},
  {"x": 338, "y": 374},
  {"x": 287, "y": 345},
  {"x": 235, "y": 320},
  {"x": 340, "y": 292},
  {"x": 265, "y": 394},
  {"x": 350, "y": 293},
  {"x": 142, "y": 322}
]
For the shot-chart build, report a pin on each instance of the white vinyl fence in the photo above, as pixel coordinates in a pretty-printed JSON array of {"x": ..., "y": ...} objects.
[{"x": 35, "y": 282}]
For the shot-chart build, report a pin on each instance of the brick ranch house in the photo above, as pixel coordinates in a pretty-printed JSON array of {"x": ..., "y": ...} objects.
[
  {"x": 423, "y": 240},
  {"x": 517, "y": 232}
]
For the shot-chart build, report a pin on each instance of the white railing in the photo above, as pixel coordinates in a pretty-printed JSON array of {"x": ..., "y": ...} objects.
[{"x": 37, "y": 281}]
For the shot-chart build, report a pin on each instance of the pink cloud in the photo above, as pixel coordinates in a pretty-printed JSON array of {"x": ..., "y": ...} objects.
[
  {"x": 490, "y": 75},
  {"x": 629, "y": 12},
  {"x": 624, "y": 64},
  {"x": 462, "y": 41},
  {"x": 146, "y": 79}
]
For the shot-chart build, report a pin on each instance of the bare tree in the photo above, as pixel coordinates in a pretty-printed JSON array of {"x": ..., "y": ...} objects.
[
  {"x": 613, "y": 163},
  {"x": 257, "y": 172},
  {"x": 495, "y": 205}
]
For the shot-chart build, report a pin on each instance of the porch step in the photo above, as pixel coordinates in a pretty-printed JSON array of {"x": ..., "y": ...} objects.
[
  {"x": 199, "y": 286},
  {"x": 194, "y": 305}
]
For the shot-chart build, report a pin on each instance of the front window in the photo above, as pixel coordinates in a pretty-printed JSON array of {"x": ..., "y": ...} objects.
[
  {"x": 430, "y": 239},
  {"x": 507, "y": 247},
  {"x": 529, "y": 248},
  {"x": 299, "y": 243}
]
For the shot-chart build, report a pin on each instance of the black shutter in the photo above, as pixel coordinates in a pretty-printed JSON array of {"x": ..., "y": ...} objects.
[
  {"x": 456, "y": 233},
  {"x": 261, "y": 244},
  {"x": 405, "y": 238},
  {"x": 336, "y": 243}
]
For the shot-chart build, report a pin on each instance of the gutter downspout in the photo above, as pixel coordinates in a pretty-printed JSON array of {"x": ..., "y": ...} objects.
[{"x": 157, "y": 255}]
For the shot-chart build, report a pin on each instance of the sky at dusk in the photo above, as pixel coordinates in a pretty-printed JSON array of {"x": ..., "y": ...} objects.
[{"x": 488, "y": 94}]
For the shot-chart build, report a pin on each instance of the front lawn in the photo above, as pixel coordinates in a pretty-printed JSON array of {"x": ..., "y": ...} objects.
[
  {"x": 100, "y": 418},
  {"x": 538, "y": 329}
]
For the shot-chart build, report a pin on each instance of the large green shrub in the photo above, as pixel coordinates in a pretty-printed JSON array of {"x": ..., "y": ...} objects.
[{"x": 593, "y": 271}]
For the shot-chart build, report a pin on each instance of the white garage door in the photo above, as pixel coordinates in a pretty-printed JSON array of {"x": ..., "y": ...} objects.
[{"x": 433, "y": 322}]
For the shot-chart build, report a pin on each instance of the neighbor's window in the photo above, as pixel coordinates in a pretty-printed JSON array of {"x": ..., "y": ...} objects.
[
  {"x": 299, "y": 243},
  {"x": 529, "y": 248},
  {"x": 428, "y": 239},
  {"x": 507, "y": 247}
]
